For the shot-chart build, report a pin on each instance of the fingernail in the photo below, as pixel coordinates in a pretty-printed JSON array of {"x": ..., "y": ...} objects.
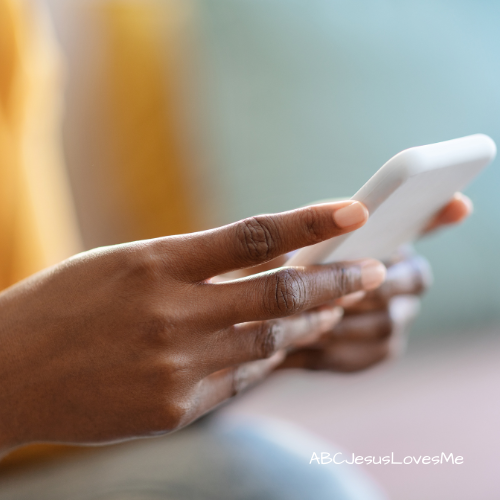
[
  {"x": 372, "y": 274},
  {"x": 350, "y": 215},
  {"x": 466, "y": 201}
]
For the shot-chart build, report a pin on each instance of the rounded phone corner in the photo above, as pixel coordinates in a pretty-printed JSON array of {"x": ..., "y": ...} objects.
[
  {"x": 478, "y": 148},
  {"x": 489, "y": 146}
]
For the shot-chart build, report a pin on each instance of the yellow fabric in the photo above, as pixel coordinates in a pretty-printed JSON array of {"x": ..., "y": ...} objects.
[
  {"x": 37, "y": 222},
  {"x": 143, "y": 54}
]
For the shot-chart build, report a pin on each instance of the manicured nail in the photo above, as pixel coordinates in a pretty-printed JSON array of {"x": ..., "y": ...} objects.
[
  {"x": 372, "y": 274},
  {"x": 350, "y": 215}
]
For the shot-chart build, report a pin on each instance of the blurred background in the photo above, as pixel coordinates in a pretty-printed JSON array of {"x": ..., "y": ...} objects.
[{"x": 155, "y": 117}]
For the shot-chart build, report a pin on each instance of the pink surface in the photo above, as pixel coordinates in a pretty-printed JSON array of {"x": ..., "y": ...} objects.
[{"x": 442, "y": 397}]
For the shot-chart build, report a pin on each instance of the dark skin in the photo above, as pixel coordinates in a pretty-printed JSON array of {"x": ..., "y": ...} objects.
[
  {"x": 375, "y": 324},
  {"x": 138, "y": 340}
]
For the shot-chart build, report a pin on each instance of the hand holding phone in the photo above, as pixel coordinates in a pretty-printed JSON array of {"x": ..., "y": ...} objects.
[{"x": 403, "y": 197}]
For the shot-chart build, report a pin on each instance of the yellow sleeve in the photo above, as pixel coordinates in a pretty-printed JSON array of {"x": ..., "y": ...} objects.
[
  {"x": 37, "y": 221},
  {"x": 143, "y": 94}
]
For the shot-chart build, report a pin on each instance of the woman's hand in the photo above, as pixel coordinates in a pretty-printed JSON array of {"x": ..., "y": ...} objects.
[
  {"x": 136, "y": 340},
  {"x": 375, "y": 324}
]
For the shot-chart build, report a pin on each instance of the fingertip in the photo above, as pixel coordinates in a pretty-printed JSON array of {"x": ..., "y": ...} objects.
[
  {"x": 464, "y": 205},
  {"x": 373, "y": 274},
  {"x": 351, "y": 215},
  {"x": 457, "y": 210}
]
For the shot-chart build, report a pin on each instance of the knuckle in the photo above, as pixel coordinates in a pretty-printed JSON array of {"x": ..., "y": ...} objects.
[
  {"x": 287, "y": 293},
  {"x": 345, "y": 279},
  {"x": 167, "y": 387},
  {"x": 156, "y": 328},
  {"x": 266, "y": 340},
  {"x": 144, "y": 264},
  {"x": 176, "y": 369},
  {"x": 175, "y": 414},
  {"x": 315, "y": 226},
  {"x": 258, "y": 238},
  {"x": 162, "y": 375}
]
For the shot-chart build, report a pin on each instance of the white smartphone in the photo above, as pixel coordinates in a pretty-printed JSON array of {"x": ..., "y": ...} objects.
[{"x": 403, "y": 196}]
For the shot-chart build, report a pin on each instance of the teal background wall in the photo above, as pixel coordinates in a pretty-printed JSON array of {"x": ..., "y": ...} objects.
[{"x": 307, "y": 98}]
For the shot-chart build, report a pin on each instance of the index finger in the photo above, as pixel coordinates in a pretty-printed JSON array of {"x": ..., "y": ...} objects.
[
  {"x": 458, "y": 209},
  {"x": 262, "y": 238}
]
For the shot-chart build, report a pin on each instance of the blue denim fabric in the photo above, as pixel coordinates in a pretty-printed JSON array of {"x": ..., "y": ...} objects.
[{"x": 216, "y": 459}]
